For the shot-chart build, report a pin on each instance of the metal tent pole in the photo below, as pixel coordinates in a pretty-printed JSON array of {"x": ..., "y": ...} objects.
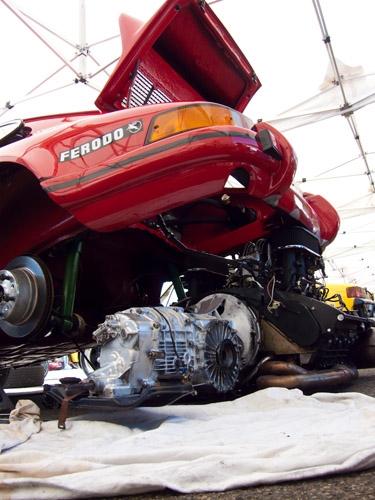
[
  {"x": 82, "y": 47},
  {"x": 338, "y": 81}
]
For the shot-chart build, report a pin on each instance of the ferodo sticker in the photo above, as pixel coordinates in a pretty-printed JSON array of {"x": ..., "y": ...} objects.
[{"x": 102, "y": 141}]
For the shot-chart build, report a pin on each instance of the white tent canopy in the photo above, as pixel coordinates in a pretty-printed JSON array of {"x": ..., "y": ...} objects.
[{"x": 330, "y": 112}]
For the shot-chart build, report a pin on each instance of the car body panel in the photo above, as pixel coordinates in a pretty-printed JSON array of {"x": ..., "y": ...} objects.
[
  {"x": 185, "y": 51},
  {"x": 99, "y": 169}
]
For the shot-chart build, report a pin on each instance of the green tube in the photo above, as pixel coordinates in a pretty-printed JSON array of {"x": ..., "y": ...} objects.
[
  {"x": 70, "y": 284},
  {"x": 180, "y": 292}
]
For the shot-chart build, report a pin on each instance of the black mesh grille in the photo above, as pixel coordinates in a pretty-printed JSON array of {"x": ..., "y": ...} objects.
[{"x": 295, "y": 236}]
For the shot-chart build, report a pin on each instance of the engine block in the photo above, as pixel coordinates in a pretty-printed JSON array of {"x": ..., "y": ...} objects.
[{"x": 141, "y": 347}]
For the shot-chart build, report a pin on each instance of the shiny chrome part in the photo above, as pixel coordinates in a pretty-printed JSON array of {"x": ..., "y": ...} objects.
[
  {"x": 227, "y": 307},
  {"x": 25, "y": 296},
  {"x": 143, "y": 347},
  {"x": 18, "y": 293},
  {"x": 301, "y": 247},
  {"x": 292, "y": 376}
]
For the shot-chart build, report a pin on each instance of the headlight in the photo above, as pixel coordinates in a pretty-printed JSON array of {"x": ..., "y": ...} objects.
[{"x": 193, "y": 116}]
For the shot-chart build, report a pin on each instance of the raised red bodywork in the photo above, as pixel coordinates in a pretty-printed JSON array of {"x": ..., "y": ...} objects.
[
  {"x": 186, "y": 51},
  {"x": 128, "y": 181},
  {"x": 161, "y": 184},
  {"x": 182, "y": 52}
]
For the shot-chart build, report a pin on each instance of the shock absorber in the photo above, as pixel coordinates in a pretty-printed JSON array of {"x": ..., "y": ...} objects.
[{"x": 69, "y": 322}]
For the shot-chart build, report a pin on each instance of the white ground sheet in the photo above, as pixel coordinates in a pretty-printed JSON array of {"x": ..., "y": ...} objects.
[{"x": 269, "y": 436}]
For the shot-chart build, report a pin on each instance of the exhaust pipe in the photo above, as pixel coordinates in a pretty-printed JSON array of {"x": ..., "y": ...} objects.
[{"x": 292, "y": 376}]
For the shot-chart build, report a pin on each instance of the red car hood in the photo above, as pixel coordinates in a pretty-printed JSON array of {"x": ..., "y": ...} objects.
[{"x": 182, "y": 53}]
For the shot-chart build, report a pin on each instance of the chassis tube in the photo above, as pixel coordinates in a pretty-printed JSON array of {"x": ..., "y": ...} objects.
[{"x": 70, "y": 284}]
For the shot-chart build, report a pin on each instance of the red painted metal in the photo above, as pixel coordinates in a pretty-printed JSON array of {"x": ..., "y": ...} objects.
[
  {"x": 98, "y": 172},
  {"x": 185, "y": 50},
  {"x": 125, "y": 181},
  {"x": 100, "y": 177},
  {"x": 328, "y": 219}
]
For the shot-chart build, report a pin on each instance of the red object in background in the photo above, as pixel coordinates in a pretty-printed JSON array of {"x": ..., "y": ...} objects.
[
  {"x": 356, "y": 291},
  {"x": 55, "y": 365}
]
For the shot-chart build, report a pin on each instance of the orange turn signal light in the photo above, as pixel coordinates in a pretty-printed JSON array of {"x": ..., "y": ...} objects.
[{"x": 191, "y": 117}]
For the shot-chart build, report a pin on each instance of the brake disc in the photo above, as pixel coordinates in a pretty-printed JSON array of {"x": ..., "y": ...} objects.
[{"x": 26, "y": 296}]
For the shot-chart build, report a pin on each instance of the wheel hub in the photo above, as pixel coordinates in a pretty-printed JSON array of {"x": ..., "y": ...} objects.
[{"x": 25, "y": 296}]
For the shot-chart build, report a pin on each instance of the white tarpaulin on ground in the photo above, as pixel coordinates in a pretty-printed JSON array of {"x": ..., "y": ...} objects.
[{"x": 270, "y": 436}]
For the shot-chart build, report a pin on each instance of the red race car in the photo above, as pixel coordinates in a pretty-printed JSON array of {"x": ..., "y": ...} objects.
[{"x": 168, "y": 182}]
